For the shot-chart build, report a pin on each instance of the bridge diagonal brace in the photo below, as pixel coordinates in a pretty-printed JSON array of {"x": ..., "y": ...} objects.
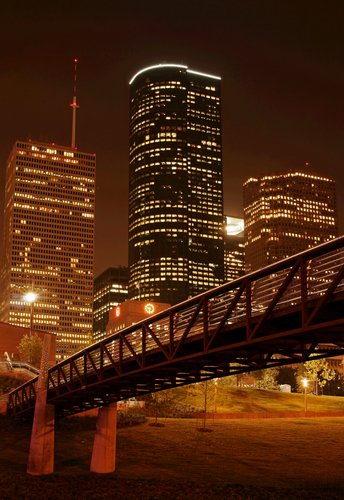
[
  {"x": 335, "y": 282},
  {"x": 111, "y": 359},
  {"x": 25, "y": 397},
  {"x": 275, "y": 299},
  {"x": 188, "y": 328},
  {"x": 75, "y": 368},
  {"x": 33, "y": 389},
  {"x": 64, "y": 376},
  {"x": 51, "y": 381},
  {"x": 157, "y": 341},
  {"x": 133, "y": 352},
  {"x": 225, "y": 317},
  {"x": 95, "y": 368}
]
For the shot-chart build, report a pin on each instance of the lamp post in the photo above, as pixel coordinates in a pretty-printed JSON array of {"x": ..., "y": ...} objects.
[
  {"x": 30, "y": 298},
  {"x": 305, "y": 385},
  {"x": 215, "y": 395}
]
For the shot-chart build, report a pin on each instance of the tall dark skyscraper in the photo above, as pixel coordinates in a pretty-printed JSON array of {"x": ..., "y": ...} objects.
[
  {"x": 287, "y": 213},
  {"x": 175, "y": 184}
]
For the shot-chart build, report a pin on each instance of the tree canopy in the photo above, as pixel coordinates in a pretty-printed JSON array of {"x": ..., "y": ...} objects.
[{"x": 30, "y": 349}]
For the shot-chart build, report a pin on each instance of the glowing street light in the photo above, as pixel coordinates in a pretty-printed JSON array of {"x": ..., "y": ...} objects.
[
  {"x": 30, "y": 298},
  {"x": 305, "y": 385}
]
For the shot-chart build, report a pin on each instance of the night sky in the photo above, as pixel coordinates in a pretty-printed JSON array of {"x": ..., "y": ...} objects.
[{"x": 282, "y": 69}]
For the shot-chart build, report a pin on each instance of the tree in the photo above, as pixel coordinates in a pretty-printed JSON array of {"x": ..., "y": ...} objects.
[
  {"x": 335, "y": 387},
  {"x": 204, "y": 387},
  {"x": 318, "y": 372},
  {"x": 266, "y": 379},
  {"x": 30, "y": 349}
]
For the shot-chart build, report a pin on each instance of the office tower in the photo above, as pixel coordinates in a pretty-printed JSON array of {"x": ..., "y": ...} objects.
[
  {"x": 48, "y": 241},
  {"x": 285, "y": 214},
  {"x": 109, "y": 290},
  {"x": 234, "y": 250},
  {"x": 175, "y": 184}
]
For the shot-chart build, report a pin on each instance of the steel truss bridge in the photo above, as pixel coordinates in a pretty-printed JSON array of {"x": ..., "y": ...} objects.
[{"x": 286, "y": 313}]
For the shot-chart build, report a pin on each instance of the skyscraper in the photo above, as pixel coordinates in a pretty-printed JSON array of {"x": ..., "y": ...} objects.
[
  {"x": 110, "y": 290},
  {"x": 175, "y": 184},
  {"x": 285, "y": 214},
  {"x": 48, "y": 241},
  {"x": 234, "y": 249}
]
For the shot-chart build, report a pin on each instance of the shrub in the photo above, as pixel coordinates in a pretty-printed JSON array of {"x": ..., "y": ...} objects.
[
  {"x": 167, "y": 407},
  {"x": 134, "y": 416},
  {"x": 8, "y": 383}
]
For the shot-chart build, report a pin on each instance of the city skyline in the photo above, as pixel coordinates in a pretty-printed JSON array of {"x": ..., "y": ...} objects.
[{"x": 281, "y": 70}]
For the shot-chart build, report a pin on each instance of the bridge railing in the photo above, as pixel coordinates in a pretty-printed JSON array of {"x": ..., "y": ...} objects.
[
  {"x": 308, "y": 273},
  {"x": 289, "y": 283}
]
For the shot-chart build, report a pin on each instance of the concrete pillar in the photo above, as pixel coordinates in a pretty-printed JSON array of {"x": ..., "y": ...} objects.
[
  {"x": 41, "y": 454},
  {"x": 104, "y": 445}
]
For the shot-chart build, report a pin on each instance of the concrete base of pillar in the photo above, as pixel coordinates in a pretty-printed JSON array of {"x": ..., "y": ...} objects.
[
  {"x": 41, "y": 454},
  {"x": 104, "y": 446}
]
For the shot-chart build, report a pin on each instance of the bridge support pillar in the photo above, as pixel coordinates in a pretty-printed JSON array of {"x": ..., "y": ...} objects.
[
  {"x": 104, "y": 446},
  {"x": 41, "y": 454}
]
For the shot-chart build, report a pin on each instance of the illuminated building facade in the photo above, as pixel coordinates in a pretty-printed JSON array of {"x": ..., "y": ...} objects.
[
  {"x": 234, "y": 249},
  {"x": 110, "y": 289},
  {"x": 132, "y": 311},
  {"x": 48, "y": 241},
  {"x": 175, "y": 184},
  {"x": 285, "y": 214}
]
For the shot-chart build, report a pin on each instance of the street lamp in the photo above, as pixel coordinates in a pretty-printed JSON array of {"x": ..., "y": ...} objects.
[
  {"x": 305, "y": 385},
  {"x": 215, "y": 395},
  {"x": 30, "y": 298}
]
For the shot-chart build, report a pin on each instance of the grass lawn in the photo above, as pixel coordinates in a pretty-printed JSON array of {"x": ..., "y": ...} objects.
[
  {"x": 278, "y": 458},
  {"x": 259, "y": 453},
  {"x": 240, "y": 400}
]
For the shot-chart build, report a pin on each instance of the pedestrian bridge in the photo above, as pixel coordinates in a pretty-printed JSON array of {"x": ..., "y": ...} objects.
[{"x": 285, "y": 313}]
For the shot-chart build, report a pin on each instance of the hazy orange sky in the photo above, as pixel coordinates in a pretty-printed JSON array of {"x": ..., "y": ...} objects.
[{"x": 282, "y": 69}]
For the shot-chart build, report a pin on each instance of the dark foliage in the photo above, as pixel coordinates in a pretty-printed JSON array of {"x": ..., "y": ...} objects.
[{"x": 8, "y": 382}]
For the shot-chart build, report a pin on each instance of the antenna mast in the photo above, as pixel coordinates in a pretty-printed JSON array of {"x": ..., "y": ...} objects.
[{"x": 74, "y": 105}]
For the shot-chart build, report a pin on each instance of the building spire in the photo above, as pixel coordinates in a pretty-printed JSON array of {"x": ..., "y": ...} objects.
[{"x": 74, "y": 104}]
